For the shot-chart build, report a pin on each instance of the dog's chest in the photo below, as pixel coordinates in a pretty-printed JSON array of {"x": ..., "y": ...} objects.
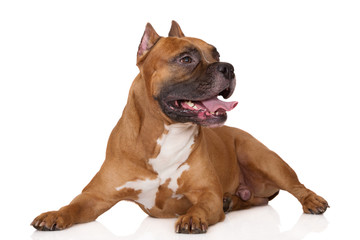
[{"x": 170, "y": 163}]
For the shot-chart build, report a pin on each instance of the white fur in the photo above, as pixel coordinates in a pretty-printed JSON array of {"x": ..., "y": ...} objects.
[{"x": 169, "y": 164}]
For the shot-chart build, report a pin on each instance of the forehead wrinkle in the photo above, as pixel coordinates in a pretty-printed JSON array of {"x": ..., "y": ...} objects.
[
  {"x": 202, "y": 53},
  {"x": 201, "y": 47}
]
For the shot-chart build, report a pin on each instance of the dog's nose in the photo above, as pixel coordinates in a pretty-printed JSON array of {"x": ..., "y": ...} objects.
[{"x": 227, "y": 69}]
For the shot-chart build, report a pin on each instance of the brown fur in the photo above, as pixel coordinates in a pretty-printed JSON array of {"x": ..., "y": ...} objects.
[{"x": 224, "y": 161}]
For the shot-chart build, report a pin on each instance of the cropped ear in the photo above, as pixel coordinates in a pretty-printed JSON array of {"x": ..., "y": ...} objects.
[
  {"x": 148, "y": 40},
  {"x": 175, "y": 30}
]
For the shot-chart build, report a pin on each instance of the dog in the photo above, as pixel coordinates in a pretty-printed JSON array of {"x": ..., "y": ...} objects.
[{"x": 170, "y": 152}]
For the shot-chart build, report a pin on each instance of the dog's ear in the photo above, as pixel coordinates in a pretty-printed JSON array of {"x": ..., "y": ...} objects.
[
  {"x": 175, "y": 30},
  {"x": 148, "y": 40}
]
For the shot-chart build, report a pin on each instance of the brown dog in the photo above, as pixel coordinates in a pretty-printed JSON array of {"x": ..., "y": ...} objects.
[{"x": 165, "y": 154}]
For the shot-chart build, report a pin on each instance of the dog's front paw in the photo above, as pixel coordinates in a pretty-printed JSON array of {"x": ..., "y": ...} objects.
[
  {"x": 314, "y": 204},
  {"x": 51, "y": 221},
  {"x": 190, "y": 224}
]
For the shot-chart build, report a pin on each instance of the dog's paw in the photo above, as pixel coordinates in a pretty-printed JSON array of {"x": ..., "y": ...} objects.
[
  {"x": 51, "y": 221},
  {"x": 191, "y": 224},
  {"x": 314, "y": 204},
  {"x": 227, "y": 202}
]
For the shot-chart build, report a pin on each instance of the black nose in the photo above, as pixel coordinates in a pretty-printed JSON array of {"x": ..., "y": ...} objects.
[{"x": 227, "y": 69}]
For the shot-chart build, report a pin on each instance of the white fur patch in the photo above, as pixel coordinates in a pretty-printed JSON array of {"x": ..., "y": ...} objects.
[{"x": 169, "y": 164}]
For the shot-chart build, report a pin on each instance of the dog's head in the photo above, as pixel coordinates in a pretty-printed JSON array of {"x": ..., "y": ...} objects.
[{"x": 185, "y": 77}]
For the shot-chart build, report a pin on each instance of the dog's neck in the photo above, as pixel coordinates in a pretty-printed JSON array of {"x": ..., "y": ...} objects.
[{"x": 140, "y": 126}]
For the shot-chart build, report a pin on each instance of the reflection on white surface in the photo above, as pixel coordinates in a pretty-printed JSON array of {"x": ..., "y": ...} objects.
[{"x": 256, "y": 223}]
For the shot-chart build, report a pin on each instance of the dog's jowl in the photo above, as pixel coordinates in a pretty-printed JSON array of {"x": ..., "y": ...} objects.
[{"x": 170, "y": 152}]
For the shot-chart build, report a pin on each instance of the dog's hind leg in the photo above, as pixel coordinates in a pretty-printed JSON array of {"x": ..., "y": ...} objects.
[{"x": 272, "y": 173}]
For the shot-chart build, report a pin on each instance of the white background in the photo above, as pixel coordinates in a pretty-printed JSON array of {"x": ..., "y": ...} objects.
[{"x": 65, "y": 71}]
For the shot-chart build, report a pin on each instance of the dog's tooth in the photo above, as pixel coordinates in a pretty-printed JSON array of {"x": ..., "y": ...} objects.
[
  {"x": 195, "y": 107},
  {"x": 190, "y": 103}
]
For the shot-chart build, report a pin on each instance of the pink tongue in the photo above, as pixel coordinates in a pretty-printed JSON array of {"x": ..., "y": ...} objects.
[{"x": 213, "y": 104}]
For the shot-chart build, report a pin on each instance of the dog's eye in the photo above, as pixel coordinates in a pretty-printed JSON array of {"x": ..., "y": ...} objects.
[{"x": 186, "y": 59}]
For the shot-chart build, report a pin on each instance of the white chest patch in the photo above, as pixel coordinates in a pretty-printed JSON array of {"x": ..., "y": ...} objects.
[{"x": 169, "y": 163}]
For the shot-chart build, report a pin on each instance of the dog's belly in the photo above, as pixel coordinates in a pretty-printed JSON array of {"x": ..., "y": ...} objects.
[{"x": 232, "y": 173}]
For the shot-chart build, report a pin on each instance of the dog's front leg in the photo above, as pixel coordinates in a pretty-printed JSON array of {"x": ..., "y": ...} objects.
[
  {"x": 85, "y": 207},
  {"x": 207, "y": 210},
  {"x": 202, "y": 187},
  {"x": 96, "y": 198}
]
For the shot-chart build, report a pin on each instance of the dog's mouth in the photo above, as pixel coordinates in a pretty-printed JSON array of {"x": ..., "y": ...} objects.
[{"x": 210, "y": 112}]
